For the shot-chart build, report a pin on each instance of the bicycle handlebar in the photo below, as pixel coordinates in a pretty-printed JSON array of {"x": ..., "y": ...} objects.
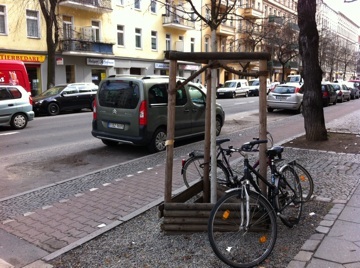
[{"x": 248, "y": 147}]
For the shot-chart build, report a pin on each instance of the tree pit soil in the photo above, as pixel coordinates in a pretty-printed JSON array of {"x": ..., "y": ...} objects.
[{"x": 336, "y": 142}]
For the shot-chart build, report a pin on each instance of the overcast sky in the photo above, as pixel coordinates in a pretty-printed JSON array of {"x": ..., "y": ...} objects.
[{"x": 351, "y": 10}]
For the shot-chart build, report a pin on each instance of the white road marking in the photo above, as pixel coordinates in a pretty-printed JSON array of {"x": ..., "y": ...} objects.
[{"x": 9, "y": 133}]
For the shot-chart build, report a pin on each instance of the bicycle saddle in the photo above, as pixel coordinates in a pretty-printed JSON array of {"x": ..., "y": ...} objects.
[
  {"x": 275, "y": 151},
  {"x": 220, "y": 141}
]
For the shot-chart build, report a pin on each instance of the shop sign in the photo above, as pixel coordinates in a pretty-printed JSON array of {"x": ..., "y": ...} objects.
[
  {"x": 189, "y": 67},
  {"x": 161, "y": 65},
  {"x": 22, "y": 57},
  {"x": 100, "y": 62}
]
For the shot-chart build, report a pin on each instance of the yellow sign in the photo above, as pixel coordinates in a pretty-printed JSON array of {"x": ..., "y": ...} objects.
[{"x": 22, "y": 57}]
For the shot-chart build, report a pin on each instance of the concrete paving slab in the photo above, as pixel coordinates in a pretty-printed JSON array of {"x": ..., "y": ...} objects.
[
  {"x": 18, "y": 252},
  {"x": 351, "y": 214},
  {"x": 354, "y": 201},
  {"x": 345, "y": 230},
  {"x": 4, "y": 264},
  {"x": 316, "y": 263},
  {"x": 338, "y": 250}
]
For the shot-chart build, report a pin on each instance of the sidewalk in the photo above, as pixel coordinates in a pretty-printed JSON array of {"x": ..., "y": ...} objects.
[{"x": 38, "y": 236}]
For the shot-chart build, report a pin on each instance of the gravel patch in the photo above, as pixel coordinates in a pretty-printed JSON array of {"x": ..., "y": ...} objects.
[{"x": 141, "y": 243}]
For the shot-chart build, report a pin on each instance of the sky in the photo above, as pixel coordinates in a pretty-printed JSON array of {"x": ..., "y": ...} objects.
[{"x": 351, "y": 10}]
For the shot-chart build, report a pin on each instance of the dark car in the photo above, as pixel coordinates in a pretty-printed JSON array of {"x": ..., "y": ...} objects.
[
  {"x": 70, "y": 97},
  {"x": 329, "y": 94}
]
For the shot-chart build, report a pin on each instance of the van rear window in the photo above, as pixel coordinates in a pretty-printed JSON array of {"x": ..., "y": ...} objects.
[{"x": 119, "y": 94}]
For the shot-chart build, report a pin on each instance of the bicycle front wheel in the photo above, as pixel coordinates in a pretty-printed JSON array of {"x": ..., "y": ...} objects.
[
  {"x": 193, "y": 171},
  {"x": 288, "y": 201},
  {"x": 242, "y": 232}
]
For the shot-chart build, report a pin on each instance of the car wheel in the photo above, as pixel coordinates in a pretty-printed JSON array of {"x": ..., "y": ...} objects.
[
  {"x": 341, "y": 99},
  {"x": 270, "y": 110},
  {"x": 335, "y": 101},
  {"x": 234, "y": 94},
  {"x": 19, "y": 121},
  {"x": 218, "y": 125},
  {"x": 157, "y": 143},
  {"x": 300, "y": 110},
  {"x": 109, "y": 143},
  {"x": 246, "y": 94},
  {"x": 53, "y": 109},
  {"x": 326, "y": 103}
]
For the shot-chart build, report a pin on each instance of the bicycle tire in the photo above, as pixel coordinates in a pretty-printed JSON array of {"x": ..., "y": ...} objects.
[
  {"x": 193, "y": 171},
  {"x": 306, "y": 181},
  {"x": 288, "y": 201},
  {"x": 239, "y": 246}
]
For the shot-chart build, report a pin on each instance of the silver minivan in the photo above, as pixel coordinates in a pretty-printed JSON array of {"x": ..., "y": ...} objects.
[
  {"x": 15, "y": 106},
  {"x": 133, "y": 110}
]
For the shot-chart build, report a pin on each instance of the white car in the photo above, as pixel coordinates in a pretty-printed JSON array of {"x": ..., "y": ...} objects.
[
  {"x": 15, "y": 106},
  {"x": 285, "y": 96},
  {"x": 234, "y": 88},
  {"x": 342, "y": 91}
]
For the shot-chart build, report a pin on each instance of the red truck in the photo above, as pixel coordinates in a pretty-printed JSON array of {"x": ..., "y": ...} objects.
[{"x": 13, "y": 72}]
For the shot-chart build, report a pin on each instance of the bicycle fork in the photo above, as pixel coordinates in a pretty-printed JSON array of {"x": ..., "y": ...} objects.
[{"x": 244, "y": 208}]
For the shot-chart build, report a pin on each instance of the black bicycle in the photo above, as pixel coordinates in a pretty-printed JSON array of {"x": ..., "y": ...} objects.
[
  {"x": 193, "y": 168},
  {"x": 242, "y": 227}
]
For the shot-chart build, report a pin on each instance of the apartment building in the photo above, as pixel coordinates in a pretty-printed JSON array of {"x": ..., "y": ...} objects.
[{"x": 99, "y": 38}]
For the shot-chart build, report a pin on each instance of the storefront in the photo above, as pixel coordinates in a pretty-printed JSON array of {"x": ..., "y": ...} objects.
[{"x": 35, "y": 67}]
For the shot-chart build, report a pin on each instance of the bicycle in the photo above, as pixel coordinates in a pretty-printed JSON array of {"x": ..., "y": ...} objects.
[
  {"x": 192, "y": 168},
  {"x": 242, "y": 226}
]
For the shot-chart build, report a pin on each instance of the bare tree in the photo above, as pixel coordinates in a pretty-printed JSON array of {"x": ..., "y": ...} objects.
[
  {"x": 309, "y": 50},
  {"x": 48, "y": 9}
]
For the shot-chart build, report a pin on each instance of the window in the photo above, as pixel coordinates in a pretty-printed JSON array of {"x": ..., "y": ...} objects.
[
  {"x": 2, "y": 20},
  {"x": 167, "y": 42},
  {"x": 32, "y": 23},
  {"x": 96, "y": 30},
  {"x": 119, "y": 94},
  {"x": 153, "y": 6},
  {"x": 138, "y": 38},
  {"x": 137, "y": 4},
  {"x": 153, "y": 40},
  {"x": 206, "y": 44},
  {"x": 120, "y": 35},
  {"x": 67, "y": 28},
  {"x": 192, "y": 44}
]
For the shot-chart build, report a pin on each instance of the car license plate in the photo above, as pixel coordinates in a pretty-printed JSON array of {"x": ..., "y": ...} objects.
[
  {"x": 116, "y": 125},
  {"x": 221, "y": 93},
  {"x": 281, "y": 98}
]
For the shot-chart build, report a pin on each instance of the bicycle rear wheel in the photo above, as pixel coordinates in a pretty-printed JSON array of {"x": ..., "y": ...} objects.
[
  {"x": 306, "y": 181},
  {"x": 232, "y": 241},
  {"x": 289, "y": 199},
  {"x": 193, "y": 171}
]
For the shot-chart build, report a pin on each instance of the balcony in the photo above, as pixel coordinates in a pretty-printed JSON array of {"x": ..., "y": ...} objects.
[
  {"x": 226, "y": 29},
  {"x": 176, "y": 22},
  {"x": 226, "y": 3},
  {"x": 84, "y": 47},
  {"x": 252, "y": 13},
  {"x": 97, "y": 6}
]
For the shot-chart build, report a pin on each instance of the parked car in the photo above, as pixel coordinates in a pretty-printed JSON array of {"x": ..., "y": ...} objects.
[
  {"x": 272, "y": 86},
  {"x": 134, "y": 111},
  {"x": 234, "y": 88},
  {"x": 67, "y": 97},
  {"x": 285, "y": 96},
  {"x": 342, "y": 91},
  {"x": 15, "y": 106},
  {"x": 329, "y": 94},
  {"x": 354, "y": 89},
  {"x": 254, "y": 85}
]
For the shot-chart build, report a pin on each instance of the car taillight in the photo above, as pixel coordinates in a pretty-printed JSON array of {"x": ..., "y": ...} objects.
[
  {"x": 297, "y": 90},
  {"x": 340, "y": 93},
  {"x": 143, "y": 114},
  {"x": 30, "y": 100},
  {"x": 325, "y": 94},
  {"x": 94, "y": 109}
]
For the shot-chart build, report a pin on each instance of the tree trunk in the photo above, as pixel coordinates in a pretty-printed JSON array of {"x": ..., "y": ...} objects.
[{"x": 309, "y": 50}]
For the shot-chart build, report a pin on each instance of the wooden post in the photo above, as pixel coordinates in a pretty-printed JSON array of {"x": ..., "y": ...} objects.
[
  {"x": 262, "y": 122},
  {"x": 170, "y": 131},
  {"x": 206, "y": 189}
]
